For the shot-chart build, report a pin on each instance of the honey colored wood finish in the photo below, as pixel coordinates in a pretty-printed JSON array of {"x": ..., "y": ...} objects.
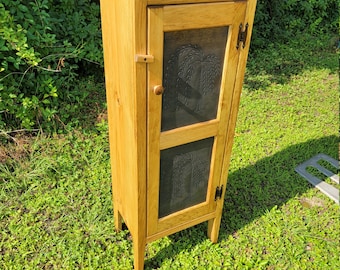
[
  {"x": 171, "y": 2},
  {"x": 188, "y": 134},
  {"x": 133, "y": 37},
  {"x": 124, "y": 36},
  {"x": 214, "y": 224},
  {"x": 181, "y": 17}
]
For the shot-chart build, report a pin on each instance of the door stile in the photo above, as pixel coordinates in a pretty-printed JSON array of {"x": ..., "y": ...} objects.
[
  {"x": 155, "y": 71},
  {"x": 228, "y": 85},
  {"x": 224, "y": 109}
]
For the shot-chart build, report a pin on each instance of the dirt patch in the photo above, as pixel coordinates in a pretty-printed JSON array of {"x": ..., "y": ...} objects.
[
  {"x": 312, "y": 202},
  {"x": 14, "y": 147}
]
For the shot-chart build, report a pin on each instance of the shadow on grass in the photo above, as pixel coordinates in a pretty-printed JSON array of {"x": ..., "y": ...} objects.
[{"x": 251, "y": 191}]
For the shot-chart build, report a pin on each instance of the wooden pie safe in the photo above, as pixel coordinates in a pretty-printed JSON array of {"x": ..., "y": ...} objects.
[{"x": 173, "y": 72}]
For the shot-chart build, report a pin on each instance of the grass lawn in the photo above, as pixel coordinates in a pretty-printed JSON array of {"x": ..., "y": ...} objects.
[{"x": 55, "y": 191}]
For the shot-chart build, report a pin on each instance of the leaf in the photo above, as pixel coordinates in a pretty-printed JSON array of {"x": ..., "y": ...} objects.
[{"x": 23, "y": 8}]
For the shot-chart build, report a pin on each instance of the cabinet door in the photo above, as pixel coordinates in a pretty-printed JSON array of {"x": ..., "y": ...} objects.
[{"x": 190, "y": 88}]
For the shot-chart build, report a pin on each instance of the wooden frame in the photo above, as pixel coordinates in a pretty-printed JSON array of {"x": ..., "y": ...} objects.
[
  {"x": 132, "y": 40},
  {"x": 177, "y": 2},
  {"x": 173, "y": 18}
]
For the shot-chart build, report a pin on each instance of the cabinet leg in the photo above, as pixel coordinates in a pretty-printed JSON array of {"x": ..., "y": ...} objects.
[
  {"x": 138, "y": 253},
  {"x": 214, "y": 228},
  {"x": 117, "y": 220}
]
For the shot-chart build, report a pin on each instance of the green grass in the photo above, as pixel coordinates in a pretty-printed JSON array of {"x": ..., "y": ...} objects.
[{"x": 55, "y": 191}]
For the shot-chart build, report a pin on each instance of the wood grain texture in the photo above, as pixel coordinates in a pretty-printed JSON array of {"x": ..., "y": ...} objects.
[
  {"x": 155, "y": 71},
  {"x": 171, "y": 2},
  {"x": 124, "y": 32},
  {"x": 179, "y": 17},
  {"x": 188, "y": 134},
  {"x": 181, "y": 226}
]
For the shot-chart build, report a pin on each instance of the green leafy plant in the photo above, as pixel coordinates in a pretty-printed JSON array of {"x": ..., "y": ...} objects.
[
  {"x": 42, "y": 50},
  {"x": 48, "y": 46},
  {"x": 281, "y": 21}
]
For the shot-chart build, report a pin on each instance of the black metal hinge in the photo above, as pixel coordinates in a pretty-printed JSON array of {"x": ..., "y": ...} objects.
[
  {"x": 242, "y": 36},
  {"x": 218, "y": 194}
]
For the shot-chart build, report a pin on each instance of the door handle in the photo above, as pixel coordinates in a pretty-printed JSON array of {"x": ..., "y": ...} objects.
[{"x": 158, "y": 89}]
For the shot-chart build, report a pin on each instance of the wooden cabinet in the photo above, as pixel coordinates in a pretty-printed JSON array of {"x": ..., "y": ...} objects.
[{"x": 173, "y": 72}]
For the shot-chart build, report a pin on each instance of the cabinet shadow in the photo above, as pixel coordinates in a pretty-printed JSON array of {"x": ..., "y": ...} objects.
[{"x": 251, "y": 191}]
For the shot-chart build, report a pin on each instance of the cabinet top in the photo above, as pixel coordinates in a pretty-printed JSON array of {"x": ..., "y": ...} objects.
[{"x": 169, "y": 2}]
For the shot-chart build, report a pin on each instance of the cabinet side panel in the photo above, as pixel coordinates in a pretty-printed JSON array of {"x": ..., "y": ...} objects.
[{"x": 126, "y": 112}]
